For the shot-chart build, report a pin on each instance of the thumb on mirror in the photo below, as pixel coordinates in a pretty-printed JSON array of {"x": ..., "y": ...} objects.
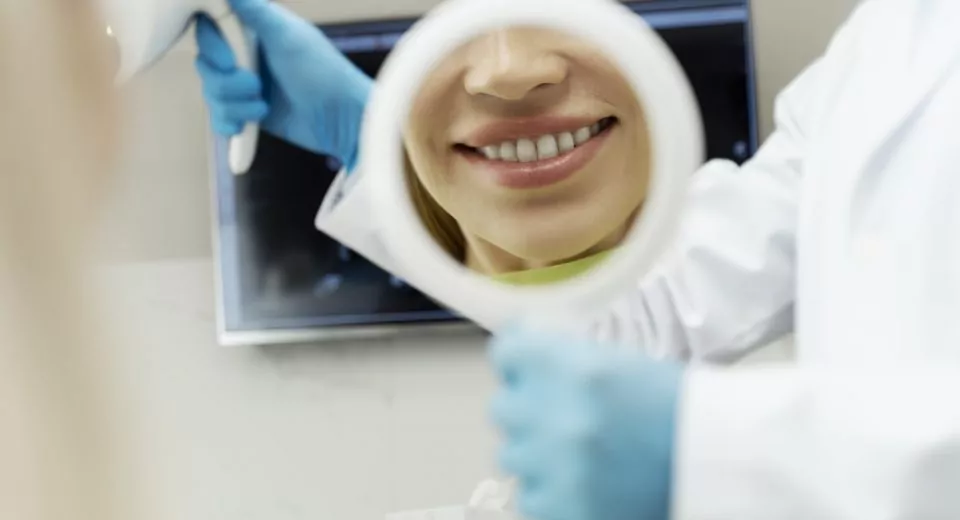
[{"x": 521, "y": 349}]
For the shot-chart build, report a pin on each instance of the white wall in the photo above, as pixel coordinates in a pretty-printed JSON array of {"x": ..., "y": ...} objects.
[
  {"x": 343, "y": 432},
  {"x": 790, "y": 35}
]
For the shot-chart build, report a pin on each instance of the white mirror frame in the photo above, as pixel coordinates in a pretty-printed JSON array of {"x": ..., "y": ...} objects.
[{"x": 677, "y": 150}]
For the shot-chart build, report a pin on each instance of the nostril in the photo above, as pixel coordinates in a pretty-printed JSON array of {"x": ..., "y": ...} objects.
[{"x": 514, "y": 83}]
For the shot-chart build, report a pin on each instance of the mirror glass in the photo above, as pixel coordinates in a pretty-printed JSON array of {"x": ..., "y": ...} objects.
[{"x": 528, "y": 156}]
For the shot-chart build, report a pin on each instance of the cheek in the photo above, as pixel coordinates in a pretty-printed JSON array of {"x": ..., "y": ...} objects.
[
  {"x": 623, "y": 182},
  {"x": 633, "y": 146},
  {"x": 641, "y": 158},
  {"x": 428, "y": 130},
  {"x": 429, "y": 161}
]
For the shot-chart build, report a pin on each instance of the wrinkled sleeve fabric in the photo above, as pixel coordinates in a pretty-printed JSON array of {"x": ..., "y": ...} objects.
[
  {"x": 727, "y": 281},
  {"x": 346, "y": 215},
  {"x": 727, "y": 284}
]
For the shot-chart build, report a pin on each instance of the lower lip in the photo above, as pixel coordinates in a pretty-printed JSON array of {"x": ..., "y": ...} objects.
[{"x": 544, "y": 172}]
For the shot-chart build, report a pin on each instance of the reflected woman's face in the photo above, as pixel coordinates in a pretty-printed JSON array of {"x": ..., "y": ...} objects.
[{"x": 535, "y": 143}]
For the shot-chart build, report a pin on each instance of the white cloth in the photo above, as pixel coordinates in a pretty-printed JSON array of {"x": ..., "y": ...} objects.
[{"x": 845, "y": 228}]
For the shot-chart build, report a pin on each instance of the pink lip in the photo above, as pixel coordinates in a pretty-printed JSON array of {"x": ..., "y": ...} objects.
[
  {"x": 525, "y": 128},
  {"x": 542, "y": 173}
]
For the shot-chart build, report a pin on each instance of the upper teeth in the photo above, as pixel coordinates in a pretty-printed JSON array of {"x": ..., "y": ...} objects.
[{"x": 543, "y": 147}]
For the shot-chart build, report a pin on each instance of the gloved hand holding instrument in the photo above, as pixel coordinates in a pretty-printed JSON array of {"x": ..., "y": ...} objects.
[
  {"x": 307, "y": 93},
  {"x": 144, "y": 30}
]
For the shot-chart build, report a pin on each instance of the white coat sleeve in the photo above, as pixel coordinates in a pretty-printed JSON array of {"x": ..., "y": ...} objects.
[
  {"x": 727, "y": 283},
  {"x": 346, "y": 216},
  {"x": 783, "y": 443}
]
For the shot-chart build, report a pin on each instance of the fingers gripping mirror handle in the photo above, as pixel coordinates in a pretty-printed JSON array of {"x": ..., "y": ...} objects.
[{"x": 243, "y": 146}]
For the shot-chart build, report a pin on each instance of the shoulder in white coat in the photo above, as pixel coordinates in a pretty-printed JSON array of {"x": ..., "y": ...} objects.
[{"x": 865, "y": 424}]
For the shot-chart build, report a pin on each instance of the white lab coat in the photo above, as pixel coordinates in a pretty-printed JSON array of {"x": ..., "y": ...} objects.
[{"x": 845, "y": 228}]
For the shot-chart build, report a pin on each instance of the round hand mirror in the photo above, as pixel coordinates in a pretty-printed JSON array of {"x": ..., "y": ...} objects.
[{"x": 529, "y": 157}]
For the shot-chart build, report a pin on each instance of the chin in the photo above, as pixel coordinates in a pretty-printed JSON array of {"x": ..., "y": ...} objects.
[{"x": 551, "y": 253}]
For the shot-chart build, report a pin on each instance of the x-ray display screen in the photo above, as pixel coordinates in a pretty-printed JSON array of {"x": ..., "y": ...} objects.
[{"x": 278, "y": 272}]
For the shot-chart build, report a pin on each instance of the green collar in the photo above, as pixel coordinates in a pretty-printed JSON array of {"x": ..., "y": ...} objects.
[{"x": 552, "y": 274}]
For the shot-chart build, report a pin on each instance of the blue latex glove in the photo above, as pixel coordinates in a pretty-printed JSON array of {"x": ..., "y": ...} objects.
[
  {"x": 308, "y": 92},
  {"x": 588, "y": 431}
]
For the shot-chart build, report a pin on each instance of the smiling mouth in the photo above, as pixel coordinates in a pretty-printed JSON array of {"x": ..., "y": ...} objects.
[
  {"x": 533, "y": 149},
  {"x": 539, "y": 162}
]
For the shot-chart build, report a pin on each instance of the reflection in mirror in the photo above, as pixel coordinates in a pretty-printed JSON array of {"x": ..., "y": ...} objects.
[{"x": 528, "y": 156}]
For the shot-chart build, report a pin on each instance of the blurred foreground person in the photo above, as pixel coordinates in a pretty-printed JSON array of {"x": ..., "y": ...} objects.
[{"x": 59, "y": 443}]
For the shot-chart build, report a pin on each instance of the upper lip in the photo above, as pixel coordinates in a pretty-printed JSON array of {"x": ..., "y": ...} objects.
[{"x": 525, "y": 127}]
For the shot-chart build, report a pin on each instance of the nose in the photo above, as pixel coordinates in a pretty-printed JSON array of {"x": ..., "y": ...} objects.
[{"x": 511, "y": 64}]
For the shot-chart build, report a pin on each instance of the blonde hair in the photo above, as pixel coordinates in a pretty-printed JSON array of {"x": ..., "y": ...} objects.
[
  {"x": 440, "y": 224},
  {"x": 56, "y": 443}
]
